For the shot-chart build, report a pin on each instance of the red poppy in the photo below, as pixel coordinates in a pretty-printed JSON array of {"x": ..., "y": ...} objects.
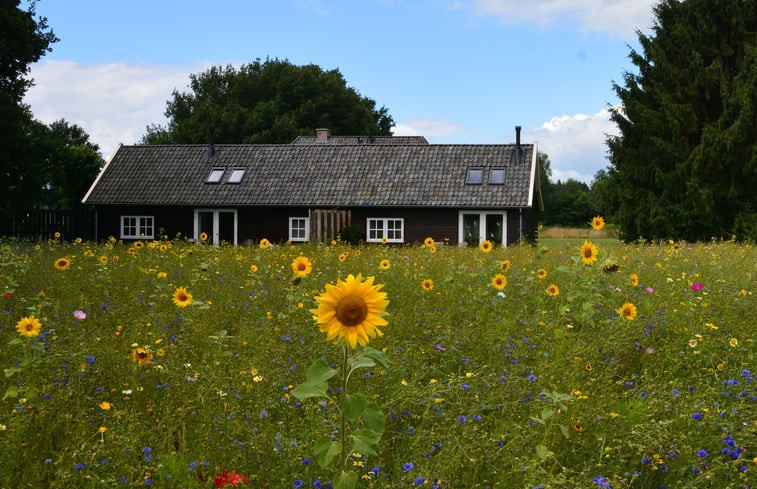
[{"x": 229, "y": 478}]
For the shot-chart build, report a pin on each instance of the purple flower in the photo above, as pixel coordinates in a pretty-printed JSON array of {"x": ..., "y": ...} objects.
[
  {"x": 80, "y": 314},
  {"x": 696, "y": 286}
]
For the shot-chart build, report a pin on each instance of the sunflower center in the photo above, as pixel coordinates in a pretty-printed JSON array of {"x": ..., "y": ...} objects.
[
  {"x": 181, "y": 297},
  {"x": 351, "y": 310},
  {"x": 29, "y": 327},
  {"x": 588, "y": 252},
  {"x": 301, "y": 267}
]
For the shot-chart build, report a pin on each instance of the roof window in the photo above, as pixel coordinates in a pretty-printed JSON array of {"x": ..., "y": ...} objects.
[
  {"x": 497, "y": 176},
  {"x": 236, "y": 175},
  {"x": 215, "y": 175},
  {"x": 475, "y": 176}
]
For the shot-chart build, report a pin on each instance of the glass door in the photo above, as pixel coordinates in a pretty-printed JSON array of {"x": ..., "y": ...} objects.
[{"x": 220, "y": 225}]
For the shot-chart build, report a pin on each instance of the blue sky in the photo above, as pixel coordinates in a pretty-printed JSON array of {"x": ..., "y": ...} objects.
[{"x": 455, "y": 71}]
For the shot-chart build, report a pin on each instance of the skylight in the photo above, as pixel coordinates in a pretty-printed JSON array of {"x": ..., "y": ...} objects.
[
  {"x": 475, "y": 176},
  {"x": 215, "y": 175},
  {"x": 236, "y": 175},
  {"x": 497, "y": 176}
]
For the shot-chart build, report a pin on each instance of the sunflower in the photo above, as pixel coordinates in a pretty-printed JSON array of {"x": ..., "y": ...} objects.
[
  {"x": 541, "y": 273},
  {"x": 385, "y": 264},
  {"x": 384, "y": 240},
  {"x": 302, "y": 266},
  {"x": 432, "y": 249},
  {"x": 553, "y": 290},
  {"x": 352, "y": 310},
  {"x": 181, "y": 297},
  {"x": 428, "y": 241},
  {"x": 28, "y": 326},
  {"x": 628, "y": 311},
  {"x": 499, "y": 281},
  {"x": 427, "y": 284},
  {"x": 62, "y": 263},
  {"x": 634, "y": 280},
  {"x": 104, "y": 260},
  {"x": 203, "y": 236},
  {"x": 253, "y": 268},
  {"x": 141, "y": 356},
  {"x": 139, "y": 245},
  {"x": 486, "y": 246},
  {"x": 505, "y": 265},
  {"x": 597, "y": 223},
  {"x": 589, "y": 252},
  {"x": 344, "y": 256},
  {"x": 265, "y": 244}
]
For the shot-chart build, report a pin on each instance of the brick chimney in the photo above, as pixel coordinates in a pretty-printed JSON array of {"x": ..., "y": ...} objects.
[{"x": 322, "y": 134}]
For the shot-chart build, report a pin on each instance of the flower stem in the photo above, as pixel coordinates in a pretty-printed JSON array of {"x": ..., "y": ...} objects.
[{"x": 343, "y": 427}]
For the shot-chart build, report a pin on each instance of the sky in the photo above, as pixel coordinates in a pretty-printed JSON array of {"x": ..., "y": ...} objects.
[{"x": 454, "y": 71}]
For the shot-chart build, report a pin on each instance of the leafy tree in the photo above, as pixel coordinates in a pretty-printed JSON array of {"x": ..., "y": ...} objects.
[
  {"x": 568, "y": 204},
  {"x": 267, "y": 102},
  {"x": 683, "y": 165},
  {"x": 71, "y": 162},
  {"x": 24, "y": 39}
]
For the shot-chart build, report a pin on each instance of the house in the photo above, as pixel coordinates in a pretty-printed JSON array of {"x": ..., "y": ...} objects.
[{"x": 391, "y": 188}]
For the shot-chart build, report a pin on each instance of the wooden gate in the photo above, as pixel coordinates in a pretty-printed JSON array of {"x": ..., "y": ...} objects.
[{"x": 326, "y": 224}]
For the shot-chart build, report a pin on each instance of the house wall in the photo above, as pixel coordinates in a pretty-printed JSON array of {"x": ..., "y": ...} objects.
[{"x": 255, "y": 223}]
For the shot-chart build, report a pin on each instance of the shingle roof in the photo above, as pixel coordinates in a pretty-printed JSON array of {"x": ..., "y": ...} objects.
[
  {"x": 361, "y": 140},
  {"x": 328, "y": 175}
]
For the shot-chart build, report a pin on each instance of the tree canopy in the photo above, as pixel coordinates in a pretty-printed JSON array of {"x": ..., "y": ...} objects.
[
  {"x": 267, "y": 102},
  {"x": 683, "y": 166}
]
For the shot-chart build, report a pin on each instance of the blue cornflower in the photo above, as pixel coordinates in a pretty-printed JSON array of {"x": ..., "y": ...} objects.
[
  {"x": 78, "y": 466},
  {"x": 297, "y": 484},
  {"x": 463, "y": 419},
  {"x": 697, "y": 416},
  {"x": 419, "y": 480},
  {"x": 407, "y": 466},
  {"x": 701, "y": 453},
  {"x": 601, "y": 481}
]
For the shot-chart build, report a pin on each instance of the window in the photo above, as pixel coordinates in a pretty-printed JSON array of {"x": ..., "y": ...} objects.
[
  {"x": 236, "y": 175},
  {"x": 215, "y": 175},
  {"x": 497, "y": 176},
  {"x": 299, "y": 229},
  {"x": 137, "y": 227},
  {"x": 475, "y": 176},
  {"x": 380, "y": 228}
]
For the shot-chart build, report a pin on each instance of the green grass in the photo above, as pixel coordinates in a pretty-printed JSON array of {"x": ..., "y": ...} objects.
[{"x": 485, "y": 388}]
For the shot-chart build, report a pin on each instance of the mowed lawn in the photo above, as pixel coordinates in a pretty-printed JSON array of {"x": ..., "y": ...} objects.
[{"x": 169, "y": 364}]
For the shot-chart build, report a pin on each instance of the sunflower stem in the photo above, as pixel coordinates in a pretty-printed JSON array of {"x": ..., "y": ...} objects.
[{"x": 343, "y": 428}]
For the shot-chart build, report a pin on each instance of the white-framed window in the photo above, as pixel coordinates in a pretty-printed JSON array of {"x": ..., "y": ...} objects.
[
  {"x": 475, "y": 226},
  {"x": 391, "y": 228},
  {"x": 137, "y": 227},
  {"x": 299, "y": 229}
]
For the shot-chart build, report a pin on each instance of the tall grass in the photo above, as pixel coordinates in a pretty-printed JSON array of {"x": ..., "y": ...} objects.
[{"x": 486, "y": 388}]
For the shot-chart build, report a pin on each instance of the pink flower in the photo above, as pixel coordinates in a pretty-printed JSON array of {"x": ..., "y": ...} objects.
[
  {"x": 80, "y": 315},
  {"x": 649, "y": 289},
  {"x": 649, "y": 350},
  {"x": 696, "y": 286}
]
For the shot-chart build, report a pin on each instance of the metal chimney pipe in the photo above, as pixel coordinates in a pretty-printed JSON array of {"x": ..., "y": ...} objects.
[{"x": 517, "y": 135}]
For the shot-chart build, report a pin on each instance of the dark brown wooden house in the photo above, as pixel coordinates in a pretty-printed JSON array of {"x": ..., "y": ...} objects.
[{"x": 393, "y": 189}]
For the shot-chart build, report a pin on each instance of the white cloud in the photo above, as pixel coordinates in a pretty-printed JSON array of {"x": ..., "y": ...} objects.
[
  {"x": 617, "y": 17},
  {"x": 575, "y": 144},
  {"x": 112, "y": 102},
  {"x": 429, "y": 128}
]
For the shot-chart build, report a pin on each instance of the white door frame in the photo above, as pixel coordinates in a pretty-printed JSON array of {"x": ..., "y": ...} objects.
[
  {"x": 481, "y": 225},
  {"x": 214, "y": 237}
]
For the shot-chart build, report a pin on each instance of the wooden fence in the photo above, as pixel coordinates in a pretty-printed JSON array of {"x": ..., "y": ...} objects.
[{"x": 44, "y": 224}]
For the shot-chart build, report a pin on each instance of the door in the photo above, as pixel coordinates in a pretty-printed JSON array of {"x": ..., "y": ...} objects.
[
  {"x": 220, "y": 225},
  {"x": 477, "y": 226}
]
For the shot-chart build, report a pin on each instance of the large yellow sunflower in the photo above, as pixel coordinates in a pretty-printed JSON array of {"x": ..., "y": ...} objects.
[
  {"x": 628, "y": 311},
  {"x": 589, "y": 252},
  {"x": 486, "y": 246},
  {"x": 553, "y": 290},
  {"x": 265, "y": 244},
  {"x": 302, "y": 266},
  {"x": 428, "y": 241},
  {"x": 352, "y": 311},
  {"x": 181, "y": 297},
  {"x": 28, "y": 326},
  {"x": 499, "y": 281},
  {"x": 62, "y": 263},
  {"x": 598, "y": 223}
]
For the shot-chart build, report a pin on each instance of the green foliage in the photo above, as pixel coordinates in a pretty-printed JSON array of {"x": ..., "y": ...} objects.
[
  {"x": 569, "y": 204},
  {"x": 486, "y": 387},
  {"x": 267, "y": 102},
  {"x": 685, "y": 165}
]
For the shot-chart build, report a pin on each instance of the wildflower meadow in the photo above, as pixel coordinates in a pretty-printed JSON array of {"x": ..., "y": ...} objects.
[{"x": 565, "y": 364}]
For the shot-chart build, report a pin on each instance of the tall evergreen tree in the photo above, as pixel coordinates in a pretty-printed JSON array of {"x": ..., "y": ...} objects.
[
  {"x": 684, "y": 164},
  {"x": 267, "y": 102}
]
